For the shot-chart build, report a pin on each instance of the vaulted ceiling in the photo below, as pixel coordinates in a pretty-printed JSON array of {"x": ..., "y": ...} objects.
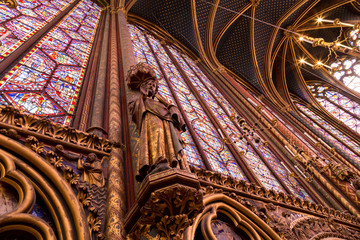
[{"x": 257, "y": 40}]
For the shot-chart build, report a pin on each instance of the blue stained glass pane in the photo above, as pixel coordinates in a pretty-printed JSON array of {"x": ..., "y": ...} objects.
[
  {"x": 35, "y": 103},
  {"x": 60, "y": 57},
  {"x": 40, "y": 62},
  {"x": 62, "y": 92},
  {"x": 70, "y": 74},
  {"x": 79, "y": 56},
  {"x": 74, "y": 35},
  {"x": 24, "y": 78},
  {"x": 53, "y": 44}
]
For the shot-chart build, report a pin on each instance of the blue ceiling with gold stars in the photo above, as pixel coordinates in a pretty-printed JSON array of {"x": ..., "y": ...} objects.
[{"x": 227, "y": 25}]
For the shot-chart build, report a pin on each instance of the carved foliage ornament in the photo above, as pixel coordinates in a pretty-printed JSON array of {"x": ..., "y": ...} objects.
[
  {"x": 9, "y": 3},
  {"x": 242, "y": 187},
  {"x": 11, "y": 117},
  {"x": 170, "y": 211},
  {"x": 90, "y": 187}
]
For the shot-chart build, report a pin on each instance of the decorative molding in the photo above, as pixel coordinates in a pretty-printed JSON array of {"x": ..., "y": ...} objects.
[
  {"x": 213, "y": 182},
  {"x": 91, "y": 196},
  {"x": 27, "y": 124},
  {"x": 9, "y": 3}
]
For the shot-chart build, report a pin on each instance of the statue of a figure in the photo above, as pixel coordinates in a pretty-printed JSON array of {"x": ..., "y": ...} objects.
[
  {"x": 159, "y": 124},
  {"x": 92, "y": 170}
]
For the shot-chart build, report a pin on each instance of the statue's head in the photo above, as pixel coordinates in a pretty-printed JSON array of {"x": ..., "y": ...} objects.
[
  {"x": 149, "y": 88},
  {"x": 143, "y": 77},
  {"x": 91, "y": 158}
]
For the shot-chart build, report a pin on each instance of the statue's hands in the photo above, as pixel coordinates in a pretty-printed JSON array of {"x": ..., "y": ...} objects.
[
  {"x": 174, "y": 111},
  {"x": 87, "y": 165},
  {"x": 176, "y": 116}
]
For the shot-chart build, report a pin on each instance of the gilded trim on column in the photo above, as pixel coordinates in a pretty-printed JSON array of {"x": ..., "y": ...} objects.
[{"x": 116, "y": 202}]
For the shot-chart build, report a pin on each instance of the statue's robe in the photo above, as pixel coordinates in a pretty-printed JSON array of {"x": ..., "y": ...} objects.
[{"x": 159, "y": 127}]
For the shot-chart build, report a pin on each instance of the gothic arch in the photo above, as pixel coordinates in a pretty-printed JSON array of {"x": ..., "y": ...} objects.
[
  {"x": 243, "y": 219},
  {"x": 28, "y": 173}
]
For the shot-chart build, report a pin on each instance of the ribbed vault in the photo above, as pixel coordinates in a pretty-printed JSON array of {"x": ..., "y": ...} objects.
[{"x": 255, "y": 40}]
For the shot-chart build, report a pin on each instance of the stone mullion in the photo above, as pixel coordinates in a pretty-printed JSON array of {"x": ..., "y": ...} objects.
[
  {"x": 304, "y": 159},
  {"x": 285, "y": 161},
  {"x": 337, "y": 123},
  {"x": 126, "y": 60},
  {"x": 116, "y": 199},
  {"x": 341, "y": 152},
  {"x": 11, "y": 60},
  {"x": 179, "y": 105},
  {"x": 345, "y": 110},
  {"x": 333, "y": 182},
  {"x": 319, "y": 186},
  {"x": 293, "y": 139},
  {"x": 330, "y": 133},
  {"x": 296, "y": 141},
  {"x": 353, "y": 134},
  {"x": 239, "y": 159},
  {"x": 240, "y": 130},
  {"x": 284, "y": 142}
]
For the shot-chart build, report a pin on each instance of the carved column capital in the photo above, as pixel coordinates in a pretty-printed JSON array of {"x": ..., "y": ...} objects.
[{"x": 169, "y": 208}]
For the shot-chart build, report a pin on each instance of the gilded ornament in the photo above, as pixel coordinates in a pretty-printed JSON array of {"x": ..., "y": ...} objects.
[
  {"x": 170, "y": 210},
  {"x": 34, "y": 144}
]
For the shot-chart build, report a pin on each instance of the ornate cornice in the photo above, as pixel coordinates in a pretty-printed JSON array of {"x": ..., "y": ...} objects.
[
  {"x": 44, "y": 129},
  {"x": 213, "y": 182}
]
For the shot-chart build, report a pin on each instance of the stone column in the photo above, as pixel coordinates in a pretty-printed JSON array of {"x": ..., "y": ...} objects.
[
  {"x": 116, "y": 197},
  {"x": 97, "y": 117}
]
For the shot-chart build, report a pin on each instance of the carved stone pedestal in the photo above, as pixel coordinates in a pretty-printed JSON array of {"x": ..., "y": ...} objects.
[{"x": 166, "y": 205}]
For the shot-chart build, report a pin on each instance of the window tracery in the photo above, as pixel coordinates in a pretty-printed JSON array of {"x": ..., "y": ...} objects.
[
  {"x": 47, "y": 81},
  {"x": 347, "y": 70},
  {"x": 18, "y": 25},
  {"x": 340, "y": 106},
  {"x": 330, "y": 132},
  {"x": 198, "y": 98}
]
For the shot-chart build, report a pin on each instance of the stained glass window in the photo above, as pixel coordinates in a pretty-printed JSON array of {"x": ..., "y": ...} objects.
[
  {"x": 347, "y": 70},
  {"x": 18, "y": 25},
  {"x": 47, "y": 81},
  {"x": 192, "y": 93},
  {"x": 331, "y": 133},
  {"x": 223, "y": 110},
  {"x": 354, "y": 38},
  {"x": 341, "y": 107}
]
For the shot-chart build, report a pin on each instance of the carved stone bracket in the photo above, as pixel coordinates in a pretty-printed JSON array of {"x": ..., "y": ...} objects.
[{"x": 169, "y": 208}]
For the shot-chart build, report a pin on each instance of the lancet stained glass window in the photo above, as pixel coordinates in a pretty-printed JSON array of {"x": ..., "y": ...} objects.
[
  {"x": 334, "y": 135},
  {"x": 47, "y": 81},
  {"x": 18, "y": 25},
  {"x": 210, "y": 138},
  {"x": 341, "y": 107}
]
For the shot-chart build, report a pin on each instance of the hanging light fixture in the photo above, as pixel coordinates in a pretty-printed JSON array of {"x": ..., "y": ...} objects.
[{"x": 352, "y": 36}]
